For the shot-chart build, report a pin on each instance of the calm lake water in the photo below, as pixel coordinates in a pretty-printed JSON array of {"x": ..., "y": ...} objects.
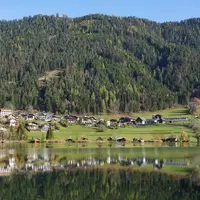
[{"x": 99, "y": 171}]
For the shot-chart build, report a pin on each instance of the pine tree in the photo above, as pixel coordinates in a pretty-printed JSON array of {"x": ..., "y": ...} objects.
[
  {"x": 21, "y": 133},
  {"x": 50, "y": 133}
]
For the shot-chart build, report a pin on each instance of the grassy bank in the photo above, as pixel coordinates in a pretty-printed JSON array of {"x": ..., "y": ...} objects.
[
  {"x": 147, "y": 132},
  {"x": 144, "y": 132},
  {"x": 173, "y": 112}
]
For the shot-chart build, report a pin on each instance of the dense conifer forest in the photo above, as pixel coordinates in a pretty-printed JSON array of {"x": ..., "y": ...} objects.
[{"x": 97, "y": 63}]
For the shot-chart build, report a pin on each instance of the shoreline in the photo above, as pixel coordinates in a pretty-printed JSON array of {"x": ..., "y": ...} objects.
[{"x": 95, "y": 141}]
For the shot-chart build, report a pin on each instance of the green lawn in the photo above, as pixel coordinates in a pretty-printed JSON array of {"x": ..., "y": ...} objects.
[
  {"x": 144, "y": 132},
  {"x": 147, "y": 132},
  {"x": 174, "y": 112}
]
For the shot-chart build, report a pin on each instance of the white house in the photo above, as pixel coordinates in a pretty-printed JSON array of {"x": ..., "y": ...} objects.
[
  {"x": 5, "y": 112},
  {"x": 13, "y": 122},
  {"x": 30, "y": 117}
]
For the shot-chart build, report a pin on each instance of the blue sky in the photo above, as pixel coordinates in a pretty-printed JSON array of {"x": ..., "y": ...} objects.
[{"x": 157, "y": 10}]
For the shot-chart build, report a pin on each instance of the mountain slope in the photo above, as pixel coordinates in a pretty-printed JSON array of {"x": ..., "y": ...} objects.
[{"x": 97, "y": 63}]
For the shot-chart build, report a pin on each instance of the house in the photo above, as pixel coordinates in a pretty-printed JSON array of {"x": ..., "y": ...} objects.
[
  {"x": 112, "y": 123},
  {"x": 173, "y": 119},
  {"x": 140, "y": 121},
  {"x": 30, "y": 117},
  {"x": 170, "y": 139},
  {"x": 108, "y": 124},
  {"x": 45, "y": 128},
  {"x": 126, "y": 120},
  {"x": 56, "y": 118},
  {"x": 150, "y": 121},
  {"x": 71, "y": 118},
  {"x": 88, "y": 120},
  {"x": 69, "y": 140},
  {"x": 121, "y": 140},
  {"x": 5, "y": 112},
  {"x": 49, "y": 117},
  {"x": 9, "y": 117},
  {"x": 84, "y": 139},
  {"x": 16, "y": 114},
  {"x": 32, "y": 126},
  {"x": 13, "y": 122},
  {"x": 41, "y": 116},
  {"x": 158, "y": 118},
  {"x": 24, "y": 115},
  {"x": 44, "y": 116}
]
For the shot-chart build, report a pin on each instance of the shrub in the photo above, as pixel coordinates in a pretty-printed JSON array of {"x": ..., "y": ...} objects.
[
  {"x": 50, "y": 134},
  {"x": 63, "y": 123},
  {"x": 42, "y": 138},
  {"x": 56, "y": 125},
  {"x": 101, "y": 129},
  {"x": 114, "y": 126},
  {"x": 21, "y": 133},
  {"x": 183, "y": 136},
  {"x": 125, "y": 125}
]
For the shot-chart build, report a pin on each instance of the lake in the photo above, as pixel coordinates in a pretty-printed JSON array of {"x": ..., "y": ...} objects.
[{"x": 99, "y": 171}]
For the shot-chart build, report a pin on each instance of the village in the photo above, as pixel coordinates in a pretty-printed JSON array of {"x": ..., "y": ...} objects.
[{"x": 44, "y": 121}]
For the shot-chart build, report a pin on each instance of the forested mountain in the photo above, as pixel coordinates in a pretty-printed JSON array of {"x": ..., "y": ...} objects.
[{"x": 98, "y": 63}]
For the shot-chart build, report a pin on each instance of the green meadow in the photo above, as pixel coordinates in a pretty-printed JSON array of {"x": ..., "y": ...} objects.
[
  {"x": 173, "y": 112},
  {"x": 149, "y": 132}
]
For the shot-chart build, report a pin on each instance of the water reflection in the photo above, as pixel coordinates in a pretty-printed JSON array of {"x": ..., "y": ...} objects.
[
  {"x": 95, "y": 184},
  {"x": 45, "y": 159}
]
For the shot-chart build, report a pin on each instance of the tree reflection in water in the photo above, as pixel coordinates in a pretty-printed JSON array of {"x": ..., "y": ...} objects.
[
  {"x": 97, "y": 184},
  {"x": 84, "y": 173}
]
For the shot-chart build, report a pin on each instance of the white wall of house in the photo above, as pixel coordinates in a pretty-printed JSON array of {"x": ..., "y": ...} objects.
[
  {"x": 5, "y": 112},
  {"x": 12, "y": 122}
]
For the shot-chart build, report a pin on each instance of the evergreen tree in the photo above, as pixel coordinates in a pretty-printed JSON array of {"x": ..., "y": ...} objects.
[
  {"x": 50, "y": 134},
  {"x": 21, "y": 132}
]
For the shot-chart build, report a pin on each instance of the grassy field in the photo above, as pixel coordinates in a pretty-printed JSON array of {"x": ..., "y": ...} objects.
[
  {"x": 173, "y": 112},
  {"x": 144, "y": 132},
  {"x": 147, "y": 133}
]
